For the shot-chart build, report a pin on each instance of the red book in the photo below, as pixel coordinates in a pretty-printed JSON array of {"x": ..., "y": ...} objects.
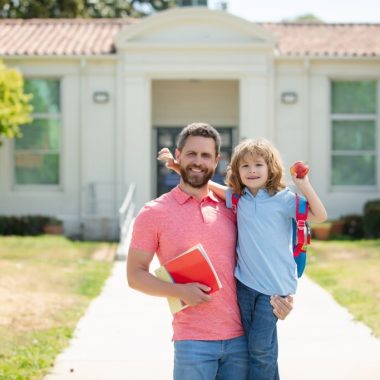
[{"x": 193, "y": 265}]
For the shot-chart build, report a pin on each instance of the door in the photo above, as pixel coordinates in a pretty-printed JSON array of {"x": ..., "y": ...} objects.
[{"x": 167, "y": 137}]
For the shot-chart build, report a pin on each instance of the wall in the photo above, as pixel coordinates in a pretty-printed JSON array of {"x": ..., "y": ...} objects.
[
  {"x": 88, "y": 153},
  {"x": 303, "y": 130}
]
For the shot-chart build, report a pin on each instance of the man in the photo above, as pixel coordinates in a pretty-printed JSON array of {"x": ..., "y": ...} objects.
[{"x": 208, "y": 337}]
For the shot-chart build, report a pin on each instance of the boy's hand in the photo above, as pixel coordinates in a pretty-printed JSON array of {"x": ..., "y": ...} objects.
[
  {"x": 301, "y": 182},
  {"x": 165, "y": 156},
  {"x": 299, "y": 171}
]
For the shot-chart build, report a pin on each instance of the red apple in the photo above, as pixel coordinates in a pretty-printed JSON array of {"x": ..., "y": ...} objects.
[{"x": 299, "y": 169}]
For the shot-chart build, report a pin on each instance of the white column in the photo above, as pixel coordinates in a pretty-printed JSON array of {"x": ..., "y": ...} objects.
[
  {"x": 255, "y": 107},
  {"x": 138, "y": 134}
]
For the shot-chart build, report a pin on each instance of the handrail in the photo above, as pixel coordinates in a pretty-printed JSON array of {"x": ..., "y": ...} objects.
[
  {"x": 126, "y": 212},
  {"x": 127, "y": 204}
]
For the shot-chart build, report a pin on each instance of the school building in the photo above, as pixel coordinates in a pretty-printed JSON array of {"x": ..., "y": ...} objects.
[{"x": 108, "y": 93}]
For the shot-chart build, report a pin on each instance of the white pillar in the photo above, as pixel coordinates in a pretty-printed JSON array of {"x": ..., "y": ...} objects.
[
  {"x": 138, "y": 134},
  {"x": 255, "y": 107}
]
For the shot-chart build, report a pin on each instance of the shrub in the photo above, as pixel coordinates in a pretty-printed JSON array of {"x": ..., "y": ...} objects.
[
  {"x": 24, "y": 225},
  {"x": 371, "y": 219},
  {"x": 353, "y": 226}
]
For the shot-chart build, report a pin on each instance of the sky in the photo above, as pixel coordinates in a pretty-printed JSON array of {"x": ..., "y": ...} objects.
[{"x": 341, "y": 11}]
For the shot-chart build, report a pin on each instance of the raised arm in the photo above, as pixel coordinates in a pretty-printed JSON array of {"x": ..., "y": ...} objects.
[
  {"x": 218, "y": 189},
  {"x": 317, "y": 211},
  {"x": 168, "y": 159},
  {"x": 139, "y": 278}
]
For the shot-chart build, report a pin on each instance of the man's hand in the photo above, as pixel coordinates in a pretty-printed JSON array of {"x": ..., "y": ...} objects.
[
  {"x": 281, "y": 306},
  {"x": 194, "y": 293}
]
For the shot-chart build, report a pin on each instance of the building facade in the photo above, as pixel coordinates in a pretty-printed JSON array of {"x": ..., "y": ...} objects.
[{"x": 109, "y": 93}]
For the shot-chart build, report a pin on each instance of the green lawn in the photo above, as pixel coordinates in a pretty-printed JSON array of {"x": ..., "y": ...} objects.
[
  {"x": 350, "y": 271},
  {"x": 46, "y": 283}
]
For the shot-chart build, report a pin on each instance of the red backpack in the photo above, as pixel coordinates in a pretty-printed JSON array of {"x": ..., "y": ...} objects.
[{"x": 301, "y": 230}]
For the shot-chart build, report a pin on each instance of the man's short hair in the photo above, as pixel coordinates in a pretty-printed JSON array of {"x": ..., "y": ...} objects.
[{"x": 199, "y": 129}]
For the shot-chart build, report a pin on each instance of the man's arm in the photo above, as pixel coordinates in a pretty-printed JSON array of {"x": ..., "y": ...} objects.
[
  {"x": 281, "y": 306},
  {"x": 139, "y": 278}
]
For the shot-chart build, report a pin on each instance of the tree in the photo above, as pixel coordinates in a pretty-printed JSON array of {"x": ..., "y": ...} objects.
[
  {"x": 15, "y": 108},
  {"x": 81, "y": 8},
  {"x": 305, "y": 19}
]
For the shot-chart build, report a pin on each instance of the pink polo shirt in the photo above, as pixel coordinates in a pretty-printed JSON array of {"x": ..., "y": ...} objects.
[{"x": 173, "y": 223}]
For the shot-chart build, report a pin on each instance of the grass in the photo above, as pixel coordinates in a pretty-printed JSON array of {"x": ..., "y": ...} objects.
[
  {"x": 350, "y": 271},
  {"x": 46, "y": 283}
]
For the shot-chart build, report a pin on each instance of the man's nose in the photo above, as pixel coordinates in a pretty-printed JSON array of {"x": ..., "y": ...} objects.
[{"x": 197, "y": 160}]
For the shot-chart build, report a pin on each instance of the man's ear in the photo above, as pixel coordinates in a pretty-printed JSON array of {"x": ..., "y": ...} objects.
[
  {"x": 177, "y": 153},
  {"x": 217, "y": 160}
]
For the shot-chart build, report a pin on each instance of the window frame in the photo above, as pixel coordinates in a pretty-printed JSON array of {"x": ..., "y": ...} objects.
[
  {"x": 42, "y": 116},
  {"x": 355, "y": 117}
]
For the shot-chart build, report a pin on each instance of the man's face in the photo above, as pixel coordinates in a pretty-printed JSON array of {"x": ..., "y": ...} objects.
[{"x": 197, "y": 160}]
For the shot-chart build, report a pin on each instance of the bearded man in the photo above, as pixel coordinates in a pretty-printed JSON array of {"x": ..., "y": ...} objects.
[{"x": 208, "y": 337}]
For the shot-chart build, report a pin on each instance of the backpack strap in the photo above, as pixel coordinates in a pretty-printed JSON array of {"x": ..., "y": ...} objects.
[
  {"x": 303, "y": 238},
  {"x": 234, "y": 201}
]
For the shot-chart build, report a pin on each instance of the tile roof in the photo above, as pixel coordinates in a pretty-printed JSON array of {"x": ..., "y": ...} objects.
[
  {"x": 49, "y": 37},
  {"x": 327, "y": 40},
  {"x": 61, "y": 37}
]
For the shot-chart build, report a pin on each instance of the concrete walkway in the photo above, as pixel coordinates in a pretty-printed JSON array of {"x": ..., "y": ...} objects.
[{"x": 126, "y": 335}]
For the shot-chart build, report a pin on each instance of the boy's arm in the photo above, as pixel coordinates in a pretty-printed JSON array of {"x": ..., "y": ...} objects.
[
  {"x": 165, "y": 156},
  {"x": 218, "y": 189},
  {"x": 317, "y": 211}
]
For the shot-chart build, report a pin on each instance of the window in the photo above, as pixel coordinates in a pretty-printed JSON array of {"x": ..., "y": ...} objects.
[
  {"x": 37, "y": 152},
  {"x": 353, "y": 120}
]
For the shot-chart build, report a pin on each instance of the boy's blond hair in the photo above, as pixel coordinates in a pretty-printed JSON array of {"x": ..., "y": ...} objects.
[{"x": 256, "y": 148}]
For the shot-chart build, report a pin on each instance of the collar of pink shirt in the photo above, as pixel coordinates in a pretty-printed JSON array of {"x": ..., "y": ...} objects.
[{"x": 181, "y": 197}]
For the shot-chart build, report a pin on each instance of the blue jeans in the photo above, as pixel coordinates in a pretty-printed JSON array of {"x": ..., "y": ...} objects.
[
  {"x": 260, "y": 328},
  {"x": 211, "y": 359}
]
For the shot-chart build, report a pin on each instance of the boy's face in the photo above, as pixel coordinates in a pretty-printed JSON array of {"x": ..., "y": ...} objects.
[
  {"x": 253, "y": 172},
  {"x": 197, "y": 160}
]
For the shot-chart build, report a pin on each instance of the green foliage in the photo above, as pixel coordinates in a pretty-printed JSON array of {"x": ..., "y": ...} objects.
[
  {"x": 25, "y": 225},
  {"x": 36, "y": 355},
  {"x": 353, "y": 226},
  {"x": 81, "y": 8},
  {"x": 305, "y": 19},
  {"x": 371, "y": 219},
  {"x": 15, "y": 105}
]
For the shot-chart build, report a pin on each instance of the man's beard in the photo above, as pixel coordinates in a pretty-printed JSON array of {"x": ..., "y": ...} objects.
[{"x": 196, "y": 181}]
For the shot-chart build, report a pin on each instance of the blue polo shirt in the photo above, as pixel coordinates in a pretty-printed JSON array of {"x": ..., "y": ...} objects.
[{"x": 264, "y": 248}]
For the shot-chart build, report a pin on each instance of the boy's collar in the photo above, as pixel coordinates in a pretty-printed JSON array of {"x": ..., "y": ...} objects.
[{"x": 261, "y": 194}]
